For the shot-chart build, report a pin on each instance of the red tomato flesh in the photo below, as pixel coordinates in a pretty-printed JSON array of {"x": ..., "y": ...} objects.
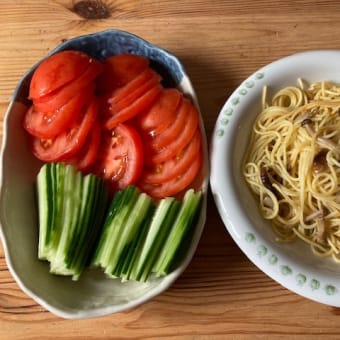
[
  {"x": 133, "y": 90},
  {"x": 47, "y": 125},
  {"x": 138, "y": 106},
  {"x": 134, "y": 84},
  {"x": 162, "y": 113},
  {"x": 66, "y": 144},
  {"x": 120, "y": 157},
  {"x": 174, "y": 130},
  {"x": 170, "y": 151},
  {"x": 175, "y": 185},
  {"x": 120, "y": 70},
  {"x": 163, "y": 172},
  {"x": 58, "y": 98},
  {"x": 57, "y": 71},
  {"x": 87, "y": 155}
]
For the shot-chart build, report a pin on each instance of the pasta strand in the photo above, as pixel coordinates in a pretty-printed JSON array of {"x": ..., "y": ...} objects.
[{"x": 292, "y": 164}]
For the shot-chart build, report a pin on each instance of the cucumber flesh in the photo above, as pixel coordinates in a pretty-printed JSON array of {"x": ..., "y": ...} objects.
[
  {"x": 128, "y": 230},
  {"x": 71, "y": 207},
  {"x": 45, "y": 208},
  {"x": 160, "y": 224},
  {"x": 182, "y": 224},
  {"x": 116, "y": 218}
]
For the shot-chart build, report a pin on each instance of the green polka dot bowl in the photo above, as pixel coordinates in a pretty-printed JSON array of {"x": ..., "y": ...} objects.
[{"x": 293, "y": 265}]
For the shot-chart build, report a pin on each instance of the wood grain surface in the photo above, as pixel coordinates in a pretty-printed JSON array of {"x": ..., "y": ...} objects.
[{"x": 221, "y": 295}]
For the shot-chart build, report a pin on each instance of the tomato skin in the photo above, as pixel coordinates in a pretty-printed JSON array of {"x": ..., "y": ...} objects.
[
  {"x": 138, "y": 106},
  {"x": 174, "y": 130},
  {"x": 169, "y": 151},
  {"x": 120, "y": 157},
  {"x": 69, "y": 142},
  {"x": 120, "y": 70},
  {"x": 126, "y": 95},
  {"x": 56, "y": 99},
  {"x": 162, "y": 172},
  {"x": 174, "y": 186},
  {"x": 87, "y": 155},
  {"x": 56, "y": 71},
  {"x": 47, "y": 125},
  {"x": 162, "y": 113}
]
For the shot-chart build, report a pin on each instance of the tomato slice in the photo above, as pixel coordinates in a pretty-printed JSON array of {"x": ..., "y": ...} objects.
[
  {"x": 163, "y": 172},
  {"x": 120, "y": 70},
  {"x": 126, "y": 95},
  {"x": 174, "y": 130},
  {"x": 162, "y": 113},
  {"x": 170, "y": 151},
  {"x": 87, "y": 155},
  {"x": 58, "y": 98},
  {"x": 138, "y": 106},
  {"x": 176, "y": 185},
  {"x": 69, "y": 142},
  {"x": 128, "y": 89},
  {"x": 47, "y": 125},
  {"x": 57, "y": 71},
  {"x": 120, "y": 156}
]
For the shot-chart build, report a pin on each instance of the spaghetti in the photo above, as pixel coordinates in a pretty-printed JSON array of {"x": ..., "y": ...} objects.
[{"x": 292, "y": 165}]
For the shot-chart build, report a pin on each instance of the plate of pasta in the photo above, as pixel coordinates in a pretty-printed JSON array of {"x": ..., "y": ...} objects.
[{"x": 275, "y": 172}]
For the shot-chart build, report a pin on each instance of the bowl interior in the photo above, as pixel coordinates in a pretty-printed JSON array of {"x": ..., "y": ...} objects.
[
  {"x": 94, "y": 294},
  {"x": 291, "y": 264}
]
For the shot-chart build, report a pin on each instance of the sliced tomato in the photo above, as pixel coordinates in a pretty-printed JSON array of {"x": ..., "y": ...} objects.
[
  {"x": 126, "y": 95},
  {"x": 176, "y": 185},
  {"x": 134, "y": 85},
  {"x": 120, "y": 157},
  {"x": 120, "y": 70},
  {"x": 117, "y": 100},
  {"x": 57, "y": 71},
  {"x": 169, "y": 151},
  {"x": 87, "y": 155},
  {"x": 69, "y": 142},
  {"x": 162, "y": 113},
  {"x": 174, "y": 130},
  {"x": 47, "y": 125},
  {"x": 138, "y": 106},
  {"x": 176, "y": 166},
  {"x": 58, "y": 98}
]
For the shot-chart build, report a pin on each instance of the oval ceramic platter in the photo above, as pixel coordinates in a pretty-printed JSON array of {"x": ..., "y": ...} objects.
[
  {"x": 293, "y": 265},
  {"x": 93, "y": 295}
]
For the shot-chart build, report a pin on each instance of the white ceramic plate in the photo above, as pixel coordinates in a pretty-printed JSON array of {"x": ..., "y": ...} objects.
[
  {"x": 93, "y": 295},
  {"x": 292, "y": 265}
]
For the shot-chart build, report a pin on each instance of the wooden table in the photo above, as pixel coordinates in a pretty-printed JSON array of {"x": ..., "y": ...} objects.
[{"x": 221, "y": 295}]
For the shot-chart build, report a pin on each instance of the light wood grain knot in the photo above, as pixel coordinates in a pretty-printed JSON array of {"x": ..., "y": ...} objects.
[{"x": 92, "y": 9}]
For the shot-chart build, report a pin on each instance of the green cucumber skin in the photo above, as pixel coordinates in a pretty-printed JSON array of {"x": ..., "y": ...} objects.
[
  {"x": 70, "y": 211},
  {"x": 127, "y": 262},
  {"x": 117, "y": 215},
  {"x": 182, "y": 224},
  {"x": 102, "y": 238},
  {"x": 92, "y": 212},
  {"x": 128, "y": 229},
  {"x": 160, "y": 224},
  {"x": 44, "y": 201}
]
